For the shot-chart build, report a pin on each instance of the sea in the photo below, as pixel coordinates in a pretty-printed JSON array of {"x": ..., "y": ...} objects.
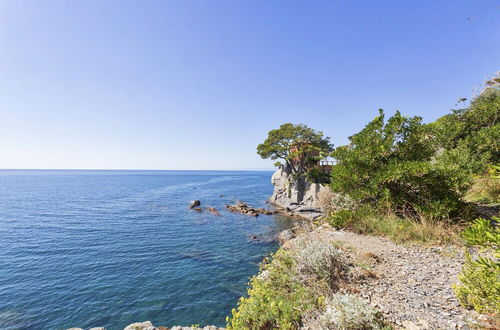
[{"x": 108, "y": 248}]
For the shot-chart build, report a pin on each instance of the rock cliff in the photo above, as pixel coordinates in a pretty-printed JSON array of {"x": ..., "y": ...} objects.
[{"x": 296, "y": 195}]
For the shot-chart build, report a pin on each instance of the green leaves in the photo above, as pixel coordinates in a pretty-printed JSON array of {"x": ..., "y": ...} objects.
[
  {"x": 482, "y": 233},
  {"x": 298, "y": 145},
  {"x": 391, "y": 165}
]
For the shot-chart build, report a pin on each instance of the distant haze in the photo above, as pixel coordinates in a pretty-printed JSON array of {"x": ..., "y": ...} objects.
[{"x": 198, "y": 84}]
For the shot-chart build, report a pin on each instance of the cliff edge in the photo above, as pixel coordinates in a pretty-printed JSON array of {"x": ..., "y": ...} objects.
[{"x": 296, "y": 195}]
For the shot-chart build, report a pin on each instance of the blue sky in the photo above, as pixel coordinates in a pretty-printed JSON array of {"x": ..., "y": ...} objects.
[{"x": 197, "y": 84}]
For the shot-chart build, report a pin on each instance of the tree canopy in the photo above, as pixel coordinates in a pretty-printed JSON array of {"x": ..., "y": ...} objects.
[{"x": 299, "y": 146}]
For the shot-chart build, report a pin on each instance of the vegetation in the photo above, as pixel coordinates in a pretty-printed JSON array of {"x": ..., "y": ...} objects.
[
  {"x": 366, "y": 220},
  {"x": 479, "y": 285},
  {"x": 297, "y": 145},
  {"x": 485, "y": 189},
  {"x": 298, "y": 289},
  {"x": 421, "y": 171},
  {"x": 345, "y": 312},
  {"x": 392, "y": 165}
]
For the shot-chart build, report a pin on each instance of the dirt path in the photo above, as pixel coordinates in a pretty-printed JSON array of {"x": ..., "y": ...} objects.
[{"x": 410, "y": 285}]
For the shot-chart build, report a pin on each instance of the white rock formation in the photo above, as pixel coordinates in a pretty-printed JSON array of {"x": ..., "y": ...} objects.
[{"x": 298, "y": 196}]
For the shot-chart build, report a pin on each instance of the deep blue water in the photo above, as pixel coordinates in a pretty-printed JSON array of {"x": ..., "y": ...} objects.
[{"x": 108, "y": 248}]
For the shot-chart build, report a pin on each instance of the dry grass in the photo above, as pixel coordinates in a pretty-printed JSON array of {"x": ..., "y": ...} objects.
[
  {"x": 485, "y": 190},
  {"x": 402, "y": 230}
]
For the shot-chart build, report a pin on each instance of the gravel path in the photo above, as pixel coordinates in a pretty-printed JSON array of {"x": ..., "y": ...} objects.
[{"x": 410, "y": 285}]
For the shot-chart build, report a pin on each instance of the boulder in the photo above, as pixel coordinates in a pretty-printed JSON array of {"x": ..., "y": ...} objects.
[
  {"x": 147, "y": 325},
  {"x": 194, "y": 204}
]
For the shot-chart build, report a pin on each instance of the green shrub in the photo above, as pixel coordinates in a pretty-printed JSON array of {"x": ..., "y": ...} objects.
[
  {"x": 276, "y": 301},
  {"x": 476, "y": 128},
  {"x": 314, "y": 175},
  {"x": 479, "y": 286},
  {"x": 295, "y": 284},
  {"x": 393, "y": 166},
  {"x": 479, "y": 281},
  {"x": 486, "y": 189}
]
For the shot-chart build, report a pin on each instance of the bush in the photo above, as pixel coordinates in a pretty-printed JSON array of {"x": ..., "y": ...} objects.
[
  {"x": 393, "y": 166},
  {"x": 345, "y": 312},
  {"x": 485, "y": 190},
  {"x": 296, "y": 283},
  {"x": 276, "y": 301},
  {"x": 476, "y": 128},
  {"x": 479, "y": 281},
  {"x": 314, "y": 175},
  {"x": 318, "y": 260}
]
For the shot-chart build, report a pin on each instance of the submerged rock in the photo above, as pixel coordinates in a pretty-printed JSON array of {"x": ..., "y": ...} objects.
[
  {"x": 213, "y": 210},
  {"x": 243, "y": 208}
]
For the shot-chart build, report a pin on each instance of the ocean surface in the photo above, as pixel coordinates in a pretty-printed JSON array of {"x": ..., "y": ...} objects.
[{"x": 109, "y": 248}]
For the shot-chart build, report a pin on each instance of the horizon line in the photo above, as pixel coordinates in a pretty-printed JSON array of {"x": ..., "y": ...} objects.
[{"x": 125, "y": 169}]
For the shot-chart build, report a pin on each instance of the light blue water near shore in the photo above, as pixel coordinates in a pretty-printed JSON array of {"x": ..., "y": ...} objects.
[{"x": 108, "y": 248}]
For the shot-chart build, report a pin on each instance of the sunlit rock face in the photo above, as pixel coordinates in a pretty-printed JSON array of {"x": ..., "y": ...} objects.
[{"x": 297, "y": 195}]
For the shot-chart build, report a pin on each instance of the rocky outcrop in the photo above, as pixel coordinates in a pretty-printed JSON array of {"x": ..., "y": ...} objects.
[
  {"x": 296, "y": 195},
  {"x": 194, "y": 204},
  {"x": 243, "y": 208},
  {"x": 147, "y": 325}
]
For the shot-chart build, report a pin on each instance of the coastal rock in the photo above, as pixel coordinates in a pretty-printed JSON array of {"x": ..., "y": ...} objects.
[
  {"x": 194, "y": 204},
  {"x": 147, "y": 325},
  {"x": 213, "y": 210},
  {"x": 243, "y": 208},
  {"x": 296, "y": 196},
  {"x": 285, "y": 236}
]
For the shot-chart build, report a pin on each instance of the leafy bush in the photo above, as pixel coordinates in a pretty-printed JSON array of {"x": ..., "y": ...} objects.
[
  {"x": 345, "y": 312},
  {"x": 393, "y": 166},
  {"x": 485, "y": 189},
  {"x": 314, "y": 175},
  {"x": 476, "y": 128},
  {"x": 276, "y": 301},
  {"x": 479, "y": 285},
  {"x": 295, "y": 284}
]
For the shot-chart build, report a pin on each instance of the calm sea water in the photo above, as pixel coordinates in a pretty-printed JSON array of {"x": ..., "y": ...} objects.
[{"x": 108, "y": 248}]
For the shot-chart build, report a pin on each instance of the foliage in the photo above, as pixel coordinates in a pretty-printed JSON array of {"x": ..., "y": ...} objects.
[
  {"x": 486, "y": 188},
  {"x": 483, "y": 234},
  {"x": 297, "y": 145},
  {"x": 345, "y": 311},
  {"x": 318, "y": 260},
  {"x": 294, "y": 285},
  {"x": 393, "y": 166},
  {"x": 277, "y": 301},
  {"x": 479, "y": 285},
  {"x": 475, "y": 128},
  {"x": 314, "y": 175}
]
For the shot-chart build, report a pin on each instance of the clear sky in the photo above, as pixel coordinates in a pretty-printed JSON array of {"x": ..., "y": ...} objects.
[{"x": 198, "y": 84}]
